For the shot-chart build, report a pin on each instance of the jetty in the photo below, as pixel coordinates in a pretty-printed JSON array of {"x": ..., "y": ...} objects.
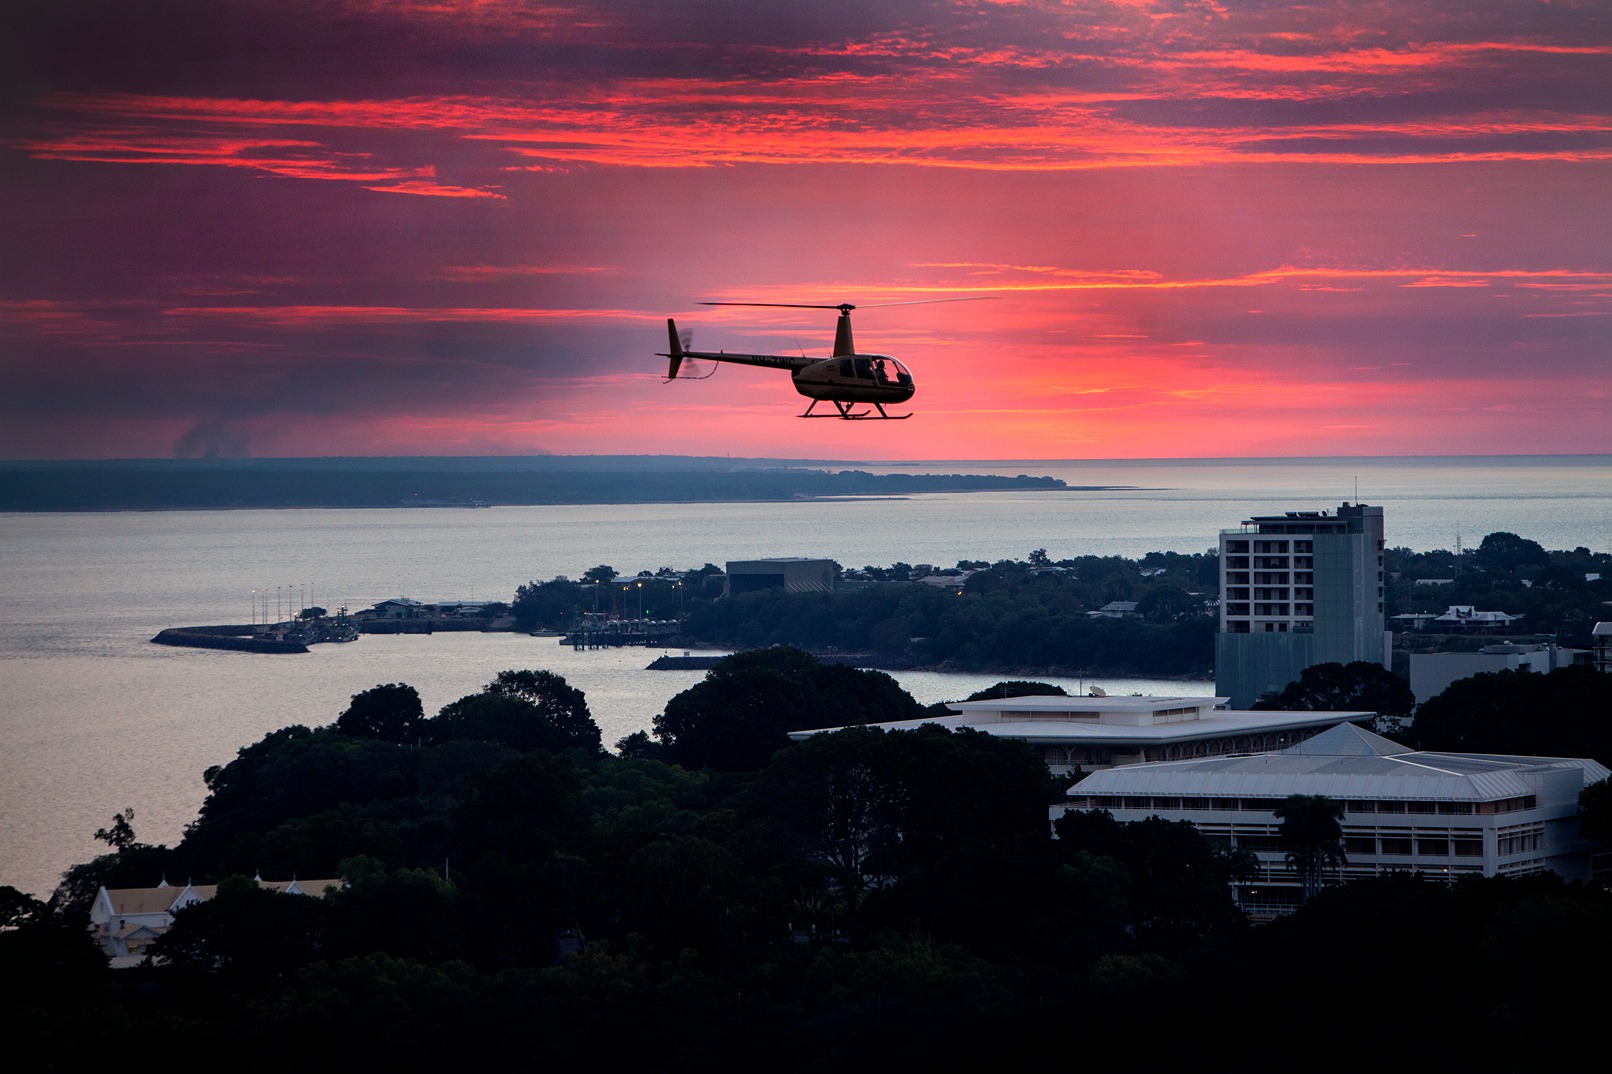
[{"x": 599, "y": 632}]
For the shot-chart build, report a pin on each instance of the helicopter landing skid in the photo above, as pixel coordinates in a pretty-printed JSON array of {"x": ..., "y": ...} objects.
[{"x": 845, "y": 412}]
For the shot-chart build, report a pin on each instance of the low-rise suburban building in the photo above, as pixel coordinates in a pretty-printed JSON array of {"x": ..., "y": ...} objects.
[
  {"x": 1432, "y": 673},
  {"x": 1116, "y": 609},
  {"x": 1442, "y": 815},
  {"x": 126, "y": 921},
  {"x": 398, "y": 608},
  {"x": 1465, "y": 617}
]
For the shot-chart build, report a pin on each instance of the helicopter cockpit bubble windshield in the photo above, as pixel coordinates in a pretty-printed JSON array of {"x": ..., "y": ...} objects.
[{"x": 878, "y": 368}]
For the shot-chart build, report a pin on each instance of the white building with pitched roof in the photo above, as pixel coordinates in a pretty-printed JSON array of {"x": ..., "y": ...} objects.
[
  {"x": 126, "y": 921},
  {"x": 1443, "y": 815}
]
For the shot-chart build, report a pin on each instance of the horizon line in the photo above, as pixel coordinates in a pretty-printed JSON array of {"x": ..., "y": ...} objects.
[{"x": 906, "y": 461}]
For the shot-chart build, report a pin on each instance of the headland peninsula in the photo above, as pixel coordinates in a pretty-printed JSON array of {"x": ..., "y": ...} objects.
[{"x": 481, "y": 481}]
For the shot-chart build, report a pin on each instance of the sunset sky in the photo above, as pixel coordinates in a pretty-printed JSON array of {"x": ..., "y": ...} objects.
[{"x": 383, "y": 227}]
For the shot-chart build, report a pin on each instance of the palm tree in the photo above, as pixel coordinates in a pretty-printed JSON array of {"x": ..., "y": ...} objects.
[{"x": 1312, "y": 831}]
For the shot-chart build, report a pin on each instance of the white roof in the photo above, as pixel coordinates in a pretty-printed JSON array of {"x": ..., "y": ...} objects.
[
  {"x": 1345, "y": 762},
  {"x": 1055, "y": 703},
  {"x": 1034, "y": 719},
  {"x": 1466, "y": 613}
]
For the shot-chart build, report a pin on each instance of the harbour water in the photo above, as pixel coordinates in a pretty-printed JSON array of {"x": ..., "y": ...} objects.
[{"x": 93, "y": 718}]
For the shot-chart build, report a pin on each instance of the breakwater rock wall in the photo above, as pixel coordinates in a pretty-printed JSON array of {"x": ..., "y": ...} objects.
[{"x": 239, "y": 639}]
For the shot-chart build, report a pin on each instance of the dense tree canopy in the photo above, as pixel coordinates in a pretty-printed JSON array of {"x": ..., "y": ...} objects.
[
  {"x": 1035, "y": 614},
  {"x": 1560, "y": 714},
  {"x": 1559, "y": 593},
  {"x": 1165, "y": 886},
  {"x": 1359, "y": 686},
  {"x": 560, "y": 704},
  {"x": 1008, "y": 616},
  {"x": 1595, "y": 811},
  {"x": 857, "y": 898},
  {"x": 391, "y": 712},
  {"x": 1017, "y": 688},
  {"x": 523, "y": 710},
  {"x": 740, "y": 714},
  {"x": 1508, "y": 552}
]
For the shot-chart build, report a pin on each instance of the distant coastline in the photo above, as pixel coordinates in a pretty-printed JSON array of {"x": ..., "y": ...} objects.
[{"x": 156, "y": 485}]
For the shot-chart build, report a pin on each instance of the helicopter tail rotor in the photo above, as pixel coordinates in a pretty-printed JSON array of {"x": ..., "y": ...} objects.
[{"x": 683, "y": 367}]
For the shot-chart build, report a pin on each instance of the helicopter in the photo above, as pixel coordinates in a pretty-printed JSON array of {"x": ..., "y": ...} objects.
[{"x": 845, "y": 378}]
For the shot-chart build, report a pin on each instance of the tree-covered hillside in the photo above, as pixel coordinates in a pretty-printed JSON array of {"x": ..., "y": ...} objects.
[{"x": 516, "y": 898}]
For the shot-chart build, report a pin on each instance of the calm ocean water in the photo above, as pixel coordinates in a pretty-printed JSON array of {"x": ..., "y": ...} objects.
[{"x": 93, "y": 718}]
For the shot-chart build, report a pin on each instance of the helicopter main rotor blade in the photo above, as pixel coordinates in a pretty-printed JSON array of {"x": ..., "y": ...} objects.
[
  {"x": 784, "y": 305},
  {"x": 929, "y": 301},
  {"x": 847, "y": 306}
]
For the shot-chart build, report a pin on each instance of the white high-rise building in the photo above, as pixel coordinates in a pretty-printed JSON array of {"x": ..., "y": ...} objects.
[{"x": 1296, "y": 589}]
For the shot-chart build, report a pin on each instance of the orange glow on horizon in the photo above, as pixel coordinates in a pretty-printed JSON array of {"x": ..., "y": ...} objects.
[{"x": 1203, "y": 230}]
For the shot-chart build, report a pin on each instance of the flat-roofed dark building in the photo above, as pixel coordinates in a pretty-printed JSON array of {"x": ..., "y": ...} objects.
[{"x": 792, "y": 574}]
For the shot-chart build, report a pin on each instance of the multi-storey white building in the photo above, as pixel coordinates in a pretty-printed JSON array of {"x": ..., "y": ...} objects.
[
  {"x": 1442, "y": 815},
  {"x": 1297, "y": 589}
]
